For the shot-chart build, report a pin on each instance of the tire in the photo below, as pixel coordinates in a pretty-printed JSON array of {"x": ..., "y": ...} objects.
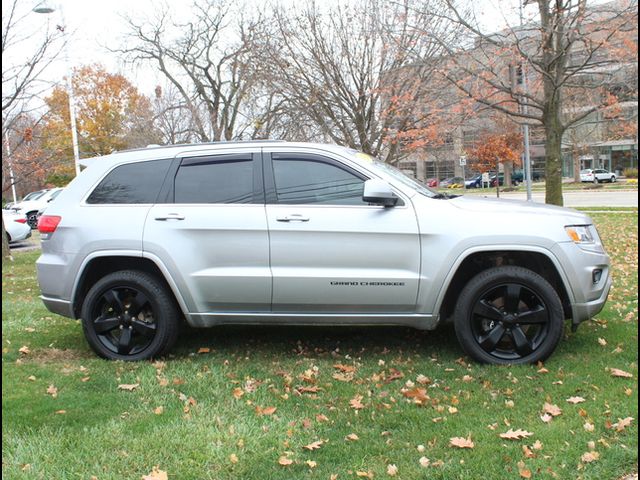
[
  {"x": 516, "y": 183},
  {"x": 130, "y": 315},
  {"x": 595, "y": 180},
  {"x": 489, "y": 316},
  {"x": 613, "y": 179},
  {"x": 32, "y": 220}
]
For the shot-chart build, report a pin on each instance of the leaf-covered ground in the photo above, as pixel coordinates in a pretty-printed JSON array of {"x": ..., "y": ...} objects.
[{"x": 320, "y": 403}]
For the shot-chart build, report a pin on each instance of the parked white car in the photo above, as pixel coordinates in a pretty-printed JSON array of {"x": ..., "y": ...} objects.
[
  {"x": 30, "y": 206},
  {"x": 16, "y": 226},
  {"x": 597, "y": 175}
]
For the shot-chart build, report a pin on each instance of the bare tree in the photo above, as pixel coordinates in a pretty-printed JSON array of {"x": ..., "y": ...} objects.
[
  {"x": 26, "y": 53},
  {"x": 349, "y": 67},
  {"x": 207, "y": 61},
  {"x": 567, "y": 51}
]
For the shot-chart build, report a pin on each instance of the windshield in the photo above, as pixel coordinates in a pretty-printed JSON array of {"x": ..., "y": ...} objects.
[
  {"x": 34, "y": 195},
  {"x": 405, "y": 179}
]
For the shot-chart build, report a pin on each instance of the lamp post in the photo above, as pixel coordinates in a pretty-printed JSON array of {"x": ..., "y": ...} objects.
[
  {"x": 525, "y": 127},
  {"x": 45, "y": 8}
]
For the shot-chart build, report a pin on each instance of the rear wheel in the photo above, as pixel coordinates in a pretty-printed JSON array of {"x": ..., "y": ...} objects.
[
  {"x": 509, "y": 315},
  {"x": 595, "y": 180},
  {"x": 130, "y": 315},
  {"x": 613, "y": 179},
  {"x": 32, "y": 220}
]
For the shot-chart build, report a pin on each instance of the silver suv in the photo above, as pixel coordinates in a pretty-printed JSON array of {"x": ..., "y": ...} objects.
[{"x": 294, "y": 233}]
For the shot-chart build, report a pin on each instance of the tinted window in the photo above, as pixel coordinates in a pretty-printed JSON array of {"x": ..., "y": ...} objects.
[
  {"x": 310, "y": 181},
  {"x": 219, "y": 180},
  {"x": 132, "y": 183}
]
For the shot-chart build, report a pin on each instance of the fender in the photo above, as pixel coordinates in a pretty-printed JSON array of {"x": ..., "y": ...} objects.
[
  {"x": 135, "y": 254},
  {"x": 506, "y": 247}
]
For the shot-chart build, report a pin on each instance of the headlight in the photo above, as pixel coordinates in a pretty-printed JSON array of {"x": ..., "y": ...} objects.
[{"x": 579, "y": 233}]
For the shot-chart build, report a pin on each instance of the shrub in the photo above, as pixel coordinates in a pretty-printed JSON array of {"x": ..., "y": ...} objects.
[{"x": 630, "y": 172}]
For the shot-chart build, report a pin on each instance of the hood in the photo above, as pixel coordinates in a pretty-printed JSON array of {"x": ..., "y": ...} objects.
[{"x": 498, "y": 205}]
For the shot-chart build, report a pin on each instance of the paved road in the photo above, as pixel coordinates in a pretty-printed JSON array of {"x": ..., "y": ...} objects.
[{"x": 582, "y": 198}]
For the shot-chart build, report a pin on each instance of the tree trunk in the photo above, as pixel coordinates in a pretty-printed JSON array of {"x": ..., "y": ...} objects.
[
  {"x": 576, "y": 166},
  {"x": 6, "y": 252},
  {"x": 553, "y": 150},
  {"x": 508, "y": 167}
]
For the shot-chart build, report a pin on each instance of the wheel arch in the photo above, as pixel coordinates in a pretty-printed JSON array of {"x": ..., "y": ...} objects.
[
  {"x": 474, "y": 261},
  {"x": 100, "y": 265}
]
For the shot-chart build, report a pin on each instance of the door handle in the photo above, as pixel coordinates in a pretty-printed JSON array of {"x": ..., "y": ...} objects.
[
  {"x": 170, "y": 216},
  {"x": 294, "y": 217}
]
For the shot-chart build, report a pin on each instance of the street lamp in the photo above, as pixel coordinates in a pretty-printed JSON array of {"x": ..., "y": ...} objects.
[{"x": 45, "y": 8}]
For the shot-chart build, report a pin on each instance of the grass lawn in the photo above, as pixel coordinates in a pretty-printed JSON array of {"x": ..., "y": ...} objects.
[{"x": 235, "y": 403}]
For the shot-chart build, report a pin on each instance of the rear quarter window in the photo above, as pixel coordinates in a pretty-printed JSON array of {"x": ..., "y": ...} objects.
[{"x": 131, "y": 183}]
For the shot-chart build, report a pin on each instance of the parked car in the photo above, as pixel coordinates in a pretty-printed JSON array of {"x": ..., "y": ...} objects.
[
  {"x": 597, "y": 175},
  {"x": 432, "y": 182},
  {"x": 16, "y": 226},
  {"x": 474, "y": 182},
  {"x": 30, "y": 205},
  {"x": 453, "y": 182},
  {"x": 294, "y": 233},
  {"x": 517, "y": 176}
]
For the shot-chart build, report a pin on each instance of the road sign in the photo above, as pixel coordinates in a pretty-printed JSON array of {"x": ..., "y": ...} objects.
[{"x": 463, "y": 161}]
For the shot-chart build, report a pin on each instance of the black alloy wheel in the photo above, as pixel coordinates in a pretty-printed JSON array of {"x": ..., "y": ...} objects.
[
  {"x": 129, "y": 315},
  {"x": 509, "y": 315}
]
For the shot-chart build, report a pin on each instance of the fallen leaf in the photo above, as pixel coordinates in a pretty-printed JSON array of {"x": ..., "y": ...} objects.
[
  {"x": 461, "y": 442},
  {"x": 392, "y": 470},
  {"x": 313, "y": 389},
  {"x": 85, "y": 379},
  {"x": 352, "y": 437},
  {"x": 537, "y": 445},
  {"x": 158, "y": 410},
  {"x": 602, "y": 342},
  {"x": 423, "y": 380},
  {"x": 589, "y": 457},
  {"x": 589, "y": 427},
  {"x": 266, "y": 410},
  {"x": 345, "y": 368},
  {"x": 238, "y": 393},
  {"x": 204, "y": 350},
  {"x": 515, "y": 434},
  {"x": 616, "y": 372},
  {"x": 424, "y": 462},
  {"x": 552, "y": 410},
  {"x": 467, "y": 378},
  {"x": 52, "y": 390},
  {"x": 575, "y": 400},
  {"x": 24, "y": 350},
  {"x": 360, "y": 473},
  {"x": 523, "y": 470},
  {"x": 31, "y": 378},
  {"x": 314, "y": 445},
  {"x": 156, "y": 474},
  {"x": 284, "y": 461},
  {"x": 543, "y": 370},
  {"x": 546, "y": 418},
  {"x": 311, "y": 464},
  {"x": 622, "y": 423},
  {"x": 356, "y": 402},
  {"x": 322, "y": 418},
  {"x": 342, "y": 377},
  {"x": 419, "y": 395},
  {"x": 528, "y": 453},
  {"x": 61, "y": 412},
  {"x": 129, "y": 387},
  {"x": 233, "y": 458}
]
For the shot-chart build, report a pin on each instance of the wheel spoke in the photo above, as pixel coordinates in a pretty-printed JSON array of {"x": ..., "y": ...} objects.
[
  {"x": 523, "y": 347},
  {"x": 103, "y": 325},
  {"x": 125, "y": 344},
  {"x": 487, "y": 310},
  {"x": 143, "y": 328},
  {"x": 534, "y": 316},
  {"x": 489, "y": 341},
  {"x": 512, "y": 299},
  {"x": 137, "y": 303},
  {"x": 113, "y": 301}
]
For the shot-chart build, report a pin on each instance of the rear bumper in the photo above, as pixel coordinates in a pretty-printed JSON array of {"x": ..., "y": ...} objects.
[{"x": 56, "y": 305}]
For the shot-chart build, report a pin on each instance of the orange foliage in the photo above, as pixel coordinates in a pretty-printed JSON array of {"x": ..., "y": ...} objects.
[{"x": 495, "y": 148}]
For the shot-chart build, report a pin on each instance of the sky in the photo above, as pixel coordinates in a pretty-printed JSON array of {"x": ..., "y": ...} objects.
[{"x": 93, "y": 25}]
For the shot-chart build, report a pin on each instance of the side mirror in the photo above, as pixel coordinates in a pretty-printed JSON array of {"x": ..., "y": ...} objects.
[{"x": 378, "y": 192}]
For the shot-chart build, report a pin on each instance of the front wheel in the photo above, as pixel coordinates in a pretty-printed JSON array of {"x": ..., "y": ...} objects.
[
  {"x": 130, "y": 315},
  {"x": 613, "y": 179},
  {"x": 508, "y": 315},
  {"x": 595, "y": 180}
]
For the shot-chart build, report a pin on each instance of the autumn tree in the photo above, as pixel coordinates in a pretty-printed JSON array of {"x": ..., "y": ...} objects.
[
  {"x": 566, "y": 50},
  {"x": 110, "y": 113},
  {"x": 352, "y": 71},
  {"x": 495, "y": 147},
  {"x": 26, "y": 53},
  {"x": 208, "y": 61}
]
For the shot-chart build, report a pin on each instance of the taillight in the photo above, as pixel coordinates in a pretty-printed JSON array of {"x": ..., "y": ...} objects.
[
  {"x": 21, "y": 220},
  {"x": 48, "y": 223}
]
